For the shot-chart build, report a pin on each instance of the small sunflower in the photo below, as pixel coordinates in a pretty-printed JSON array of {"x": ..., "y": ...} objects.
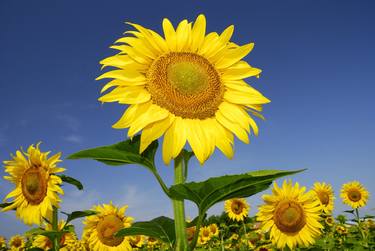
[
  {"x": 152, "y": 242},
  {"x": 237, "y": 209},
  {"x": 3, "y": 243},
  {"x": 17, "y": 243},
  {"x": 37, "y": 186},
  {"x": 76, "y": 245},
  {"x": 329, "y": 220},
  {"x": 45, "y": 243},
  {"x": 187, "y": 86},
  {"x": 204, "y": 235},
  {"x": 137, "y": 241},
  {"x": 214, "y": 230},
  {"x": 354, "y": 194},
  {"x": 291, "y": 215},
  {"x": 99, "y": 229},
  {"x": 325, "y": 194},
  {"x": 190, "y": 231}
]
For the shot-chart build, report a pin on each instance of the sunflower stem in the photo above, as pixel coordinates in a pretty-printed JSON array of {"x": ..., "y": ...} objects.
[
  {"x": 197, "y": 229},
  {"x": 56, "y": 241},
  {"x": 359, "y": 223},
  {"x": 178, "y": 206}
]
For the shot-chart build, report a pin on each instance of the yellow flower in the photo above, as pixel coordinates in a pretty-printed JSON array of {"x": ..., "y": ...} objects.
[
  {"x": 152, "y": 242},
  {"x": 3, "y": 243},
  {"x": 214, "y": 229},
  {"x": 187, "y": 86},
  {"x": 76, "y": 245},
  {"x": 291, "y": 215},
  {"x": 45, "y": 243},
  {"x": 354, "y": 194},
  {"x": 204, "y": 235},
  {"x": 99, "y": 229},
  {"x": 342, "y": 230},
  {"x": 325, "y": 194},
  {"x": 190, "y": 231},
  {"x": 329, "y": 220},
  {"x": 16, "y": 243},
  {"x": 237, "y": 209},
  {"x": 137, "y": 241},
  {"x": 37, "y": 186}
]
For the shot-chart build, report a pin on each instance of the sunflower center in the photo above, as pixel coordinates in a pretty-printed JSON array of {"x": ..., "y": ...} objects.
[
  {"x": 237, "y": 207},
  {"x": 289, "y": 217},
  {"x": 17, "y": 242},
  {"x": 324, "y": 198},
  {"x": 354, "y": 195},
  {"x": 186, "y": 84},
  {"x": 34, "y": 185},
  {"x": 206, "y": 233},
  {"x": 107, "y": 227}
]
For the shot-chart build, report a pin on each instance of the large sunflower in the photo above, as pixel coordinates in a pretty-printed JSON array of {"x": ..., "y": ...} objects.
[
  {"x": 291, "y": 215},
  {"x": 99, "y": 229},
  {"x": 237, "y": 209},
  {"x": 354, "y": 194},
  {"x": 187, "y": 86},
  {"x": 37, "y": 186},
  {"x": 325, "y": 194}
]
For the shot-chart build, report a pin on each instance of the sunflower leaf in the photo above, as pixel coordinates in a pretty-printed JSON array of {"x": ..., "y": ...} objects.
[
  {"x": 122, "y": 153},
  {"x": 161, "y": 228},
  {"x": 72, "y": 181},
  {"x": 78, "y": 214},
  {"x": 209, "y": 192}
]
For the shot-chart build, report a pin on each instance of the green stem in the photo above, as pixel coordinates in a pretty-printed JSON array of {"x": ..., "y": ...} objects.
[
  {"x": 55, "y": 220},
  {"x": 197, "y": 229},
  {"x": 359, "y": 224},
  {"x": 178, "y": 206}
]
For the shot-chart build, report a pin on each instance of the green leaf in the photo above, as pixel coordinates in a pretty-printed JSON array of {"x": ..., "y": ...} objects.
[
  {"x": 122, "y": 153},
  {"x": 35, "y": 249},
  {"x": 34, "y": 231},
  {"x": 349, "y": 211},
  {"x": 161, "y": 228},
  {"x": 207, "y": 193},
  {"x": 78, "y": 214},
  {"x": 72, "y": 181}
]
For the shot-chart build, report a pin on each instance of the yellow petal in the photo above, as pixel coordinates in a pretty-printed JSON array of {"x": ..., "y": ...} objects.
[
  {"x": 174, "y": 140},
  {"x": 131, "y": 114},
  {"x": 154, "y": 131},
  {"x": 232, "y": 56},
  {"x": 182, "y": 35},
  {"x": 245, "y": 98},
  {"x": 124, "y": 74},
  {"x": 169, "y": 34},
  {"x": 233, "y": 127},
  {"x": 127, "y": 95},
  {"x": 198, "y": 33}
]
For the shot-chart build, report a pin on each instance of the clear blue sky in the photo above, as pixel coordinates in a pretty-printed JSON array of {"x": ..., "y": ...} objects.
[{"x": 318, "y": 60}]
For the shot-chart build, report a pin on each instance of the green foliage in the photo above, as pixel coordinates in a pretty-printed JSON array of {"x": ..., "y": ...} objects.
[
  {"x": 72, "y": 181},
  {"x": 161, "y": 228},
  {"x": 78, "y": 214},
  {"x": 209, "y": 192}
]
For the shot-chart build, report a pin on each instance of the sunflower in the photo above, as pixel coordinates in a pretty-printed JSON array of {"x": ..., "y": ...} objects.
[
  {"x": 329, "y": 220},
  {"x": 237, "y": 209},
  {"x": 66, "y": 240},
  {"x": 37, "y": 186},
  {"x": 152, "y": 242},
  {"x": 325, "y": 194},
  {"x": 187, "y": 86},
  {"x": 214, "y": 230},
  {"x": 3, "y": 243},
  {"x": 76, "y": 245},
  {"x": 137, "y": 241},
  {"x": 204, "y": 235},
  {"x": 17, "y": 243},
  {"x": 99, "y": 229},
  {"x": 190, "y": 231},
  {"x": 291, "y": 215},
  {"x": 354, "y": 194}
]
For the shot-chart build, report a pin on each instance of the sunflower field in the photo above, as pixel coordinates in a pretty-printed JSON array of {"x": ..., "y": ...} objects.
[{"x": 186, "y": 91}]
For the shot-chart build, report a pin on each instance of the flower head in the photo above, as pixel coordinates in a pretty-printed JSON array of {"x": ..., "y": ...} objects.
[
  {"x": 37, "y": 185},
  {"x": 99, "y": 229},
  {"x": 237, "y": 209},
  {"x": 325, "y": 194},
  {"x": 291, "y": 215},
  {"x": 17, "y": 243},
  {"x": 354, "y": 194},
  {"x": 187, "y": 86}
]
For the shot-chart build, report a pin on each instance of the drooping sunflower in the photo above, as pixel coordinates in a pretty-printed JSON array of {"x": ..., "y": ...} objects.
[
  {"x": 354, "y": 194},
  {"x": 17, "y": 243},
  {"x": 99, "y": 229},
  {"x": 66, "y": 241},
  {"x": 37, "y": 185},
  {"x": 325, "y": 194},
  {"x": 237, "y": 209},
  {"x": 190, "y": 231},
  {"x": 291, "y": 215},
  {"x": 187, "y": 86}
]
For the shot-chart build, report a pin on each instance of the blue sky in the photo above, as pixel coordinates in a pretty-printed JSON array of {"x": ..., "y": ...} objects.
[{"x": 317, "y": 58}]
